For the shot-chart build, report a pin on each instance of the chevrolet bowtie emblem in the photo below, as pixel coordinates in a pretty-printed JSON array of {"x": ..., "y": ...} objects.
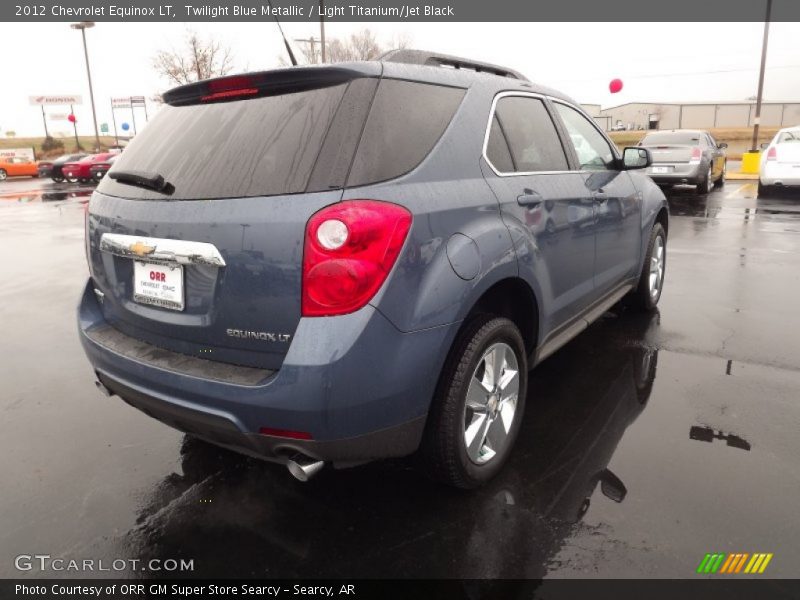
[{"x": 140, "y": 249}]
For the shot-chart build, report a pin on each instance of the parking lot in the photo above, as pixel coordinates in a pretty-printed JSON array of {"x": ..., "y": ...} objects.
[{"x": 648, "y": 441}]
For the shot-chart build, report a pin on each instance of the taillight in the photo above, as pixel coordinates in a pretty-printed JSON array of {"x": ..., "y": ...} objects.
[
  {"x": 772, "y": 153},
  {"x": 696, "y": 155},
  {"x": 350, "y": 248}
]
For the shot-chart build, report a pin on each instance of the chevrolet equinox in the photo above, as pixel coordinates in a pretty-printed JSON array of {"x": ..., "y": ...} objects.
[{"x": 337, "y": 264}]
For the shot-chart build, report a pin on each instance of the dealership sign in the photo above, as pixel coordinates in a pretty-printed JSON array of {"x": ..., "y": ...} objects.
[
  {"x": 17, "y": 152},
  {"x": 42, "y": 100},
  {"x": 127, "y": 102}
]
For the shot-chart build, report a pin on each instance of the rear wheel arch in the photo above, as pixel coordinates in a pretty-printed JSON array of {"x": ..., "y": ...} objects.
[
  {"x": 663, "y": 218},
  {"x": 513, "y": 299}
]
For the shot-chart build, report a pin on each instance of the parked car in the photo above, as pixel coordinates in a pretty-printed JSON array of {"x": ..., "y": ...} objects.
[
  {"x": 80, "y": 170},
  {"x": 17, "y": 166},
  {"x": 780, "y": 162},
  {"x": 99, "y": 169},
  {"x": 686, "y": 156},
  {"x": 334, "y": 264},
  {"x": 54, "y": 168}
]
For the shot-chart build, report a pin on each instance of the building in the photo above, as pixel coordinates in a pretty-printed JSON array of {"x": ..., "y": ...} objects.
[{"x": 664, "y": 115}]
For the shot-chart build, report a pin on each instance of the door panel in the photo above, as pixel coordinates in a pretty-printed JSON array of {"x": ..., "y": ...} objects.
[
  {"x": 545, "y": 206},
  {"x": 617, "y": 204},
  {"x": 553, "y": 238}
]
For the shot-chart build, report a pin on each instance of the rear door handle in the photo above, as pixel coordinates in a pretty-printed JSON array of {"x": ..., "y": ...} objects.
[
  {"x": 529, "y": 198},
  {"x": 600, "y": 196}
]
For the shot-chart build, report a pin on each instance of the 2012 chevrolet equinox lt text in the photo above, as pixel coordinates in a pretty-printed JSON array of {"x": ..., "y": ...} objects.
[{"x": 337, "y": 264}]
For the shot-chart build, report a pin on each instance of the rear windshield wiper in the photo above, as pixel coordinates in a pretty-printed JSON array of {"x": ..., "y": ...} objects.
[{"x": 149, "y": 180}]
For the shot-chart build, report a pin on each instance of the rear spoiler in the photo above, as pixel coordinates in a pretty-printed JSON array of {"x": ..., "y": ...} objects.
[
  {"x": 432, "y": 59},
  {"x": 267, "y": 83}
]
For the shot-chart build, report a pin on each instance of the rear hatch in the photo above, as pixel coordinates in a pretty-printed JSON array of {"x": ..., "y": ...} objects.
[
  {"x": 788, "y": 152},
  {"x": 672, "y": 147},
  {"x": 196, "y": 234},
  {"x": 197, "y": 244}
]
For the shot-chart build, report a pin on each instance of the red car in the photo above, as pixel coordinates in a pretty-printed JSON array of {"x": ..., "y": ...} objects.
[{"x": 81, "y": 170}]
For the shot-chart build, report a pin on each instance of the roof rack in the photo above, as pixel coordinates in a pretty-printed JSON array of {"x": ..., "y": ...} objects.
[{"x": 423, "y": 57}]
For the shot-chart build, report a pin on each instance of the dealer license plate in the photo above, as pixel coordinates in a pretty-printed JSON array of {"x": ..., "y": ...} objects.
[{"x": 159, "y": 285}]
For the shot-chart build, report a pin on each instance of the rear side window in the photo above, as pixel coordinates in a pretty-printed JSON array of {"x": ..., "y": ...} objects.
[
  {"x": 405, "y": 122},
  {"x": 254, "y": 147},
  {"x": 524, "y": 137}
]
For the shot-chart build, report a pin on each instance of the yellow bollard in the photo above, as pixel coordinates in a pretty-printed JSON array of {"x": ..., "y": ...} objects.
[{"x": 751, "y": 162}]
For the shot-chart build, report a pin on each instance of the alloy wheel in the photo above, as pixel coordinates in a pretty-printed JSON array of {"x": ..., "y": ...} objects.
[
  {"x": 657, "y": 267},
  {"x": 491, "y": 404}
]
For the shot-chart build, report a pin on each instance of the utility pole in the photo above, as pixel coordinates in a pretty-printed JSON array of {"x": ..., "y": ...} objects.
[
  {"x": 322, "y": 29},
  {"x": 83, "y": 26},
  {"x": 311, "y": 42},
  {"x": 757, "y": 118}
]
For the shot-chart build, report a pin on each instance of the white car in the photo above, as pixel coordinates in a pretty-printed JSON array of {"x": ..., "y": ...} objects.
[{"x": 780, "y": 161}]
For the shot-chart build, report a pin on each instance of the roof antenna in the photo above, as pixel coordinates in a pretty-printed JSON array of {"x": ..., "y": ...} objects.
[{"x": 285, "y": 41}]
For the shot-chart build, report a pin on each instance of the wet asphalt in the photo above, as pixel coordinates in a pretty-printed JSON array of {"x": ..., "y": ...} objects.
[{"x": 648, "y": 441}]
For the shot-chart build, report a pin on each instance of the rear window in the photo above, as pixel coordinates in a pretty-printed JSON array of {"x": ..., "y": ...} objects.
[
  {"x": 788, "y": 137},
  {"x": 290, "y": 143},
  {"x": 254, "y": 147},
  {"x": 406, "y": 120},
  {"x": 671, "y": 138}
]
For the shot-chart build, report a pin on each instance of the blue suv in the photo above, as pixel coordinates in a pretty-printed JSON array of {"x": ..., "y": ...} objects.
[{"x": 337, "y": 264}]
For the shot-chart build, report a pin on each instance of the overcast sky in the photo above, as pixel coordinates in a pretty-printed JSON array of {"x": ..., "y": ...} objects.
[{"x": 660, "y": 62}]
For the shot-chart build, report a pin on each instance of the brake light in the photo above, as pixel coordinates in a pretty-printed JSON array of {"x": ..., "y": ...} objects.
[
  {"x": 772, "y": 153},
  {"x": 229, "y": 94},
  {"x": 696, "y": 155},
  {"x": 350, "y": 248}
]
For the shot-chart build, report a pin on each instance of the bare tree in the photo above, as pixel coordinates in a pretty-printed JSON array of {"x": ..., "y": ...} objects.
[
  {"x": 199, "y": 59},
  {"x": 362, "y": 45}
]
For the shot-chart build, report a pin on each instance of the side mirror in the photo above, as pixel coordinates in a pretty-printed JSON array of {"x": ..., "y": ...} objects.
[
  {"x": 764, "y": 146},
  {"x": 612, "y": 486},
  {"x": 722, "y": 145},
  {"x": 636, "y": 158}
]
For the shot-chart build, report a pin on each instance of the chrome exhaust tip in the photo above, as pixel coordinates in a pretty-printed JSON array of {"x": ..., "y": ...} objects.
[{"x": 304, "y": 468}]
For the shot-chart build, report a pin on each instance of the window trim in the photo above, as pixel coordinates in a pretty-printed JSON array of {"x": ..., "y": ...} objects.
[{"x": 544, "y": 99}]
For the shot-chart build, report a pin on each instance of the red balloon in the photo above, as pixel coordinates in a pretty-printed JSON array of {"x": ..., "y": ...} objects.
[
  {"x": 71, "y": 118},
  {"x": 615, "y": 86}
]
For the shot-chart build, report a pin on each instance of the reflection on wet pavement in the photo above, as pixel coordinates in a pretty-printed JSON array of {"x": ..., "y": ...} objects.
[{"x": 604, "y": 481}]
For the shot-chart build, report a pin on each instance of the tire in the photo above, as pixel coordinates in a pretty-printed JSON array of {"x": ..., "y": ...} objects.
[
  {"x": 721, "y": 181},
  {"x": 705, "y": 184},
  {"x": 58, "y": 179},
  {"x": 83, "y": 180},
  {"x": 643, "y": 297},
  {"x": 763, "y": 190},
  {"x": 3, "y": 175},
  {"x": 71, "y": 179},
  {"x": 451, "y": 419}
]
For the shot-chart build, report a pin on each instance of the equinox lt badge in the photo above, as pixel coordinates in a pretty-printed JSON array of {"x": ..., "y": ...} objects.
[{"x": 264, "y": 336}]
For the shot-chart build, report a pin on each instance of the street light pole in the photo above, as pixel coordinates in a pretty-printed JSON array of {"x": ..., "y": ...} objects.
[
  {"x": 83, "y": 26},
  {"x": 757, "y": 118}
]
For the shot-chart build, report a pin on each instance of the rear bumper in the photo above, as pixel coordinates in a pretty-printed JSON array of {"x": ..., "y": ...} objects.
[
  {"x": 356, "y": 384},
  {"x": 780, "y": 174},
  {"x": 678, "y": 173}
]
